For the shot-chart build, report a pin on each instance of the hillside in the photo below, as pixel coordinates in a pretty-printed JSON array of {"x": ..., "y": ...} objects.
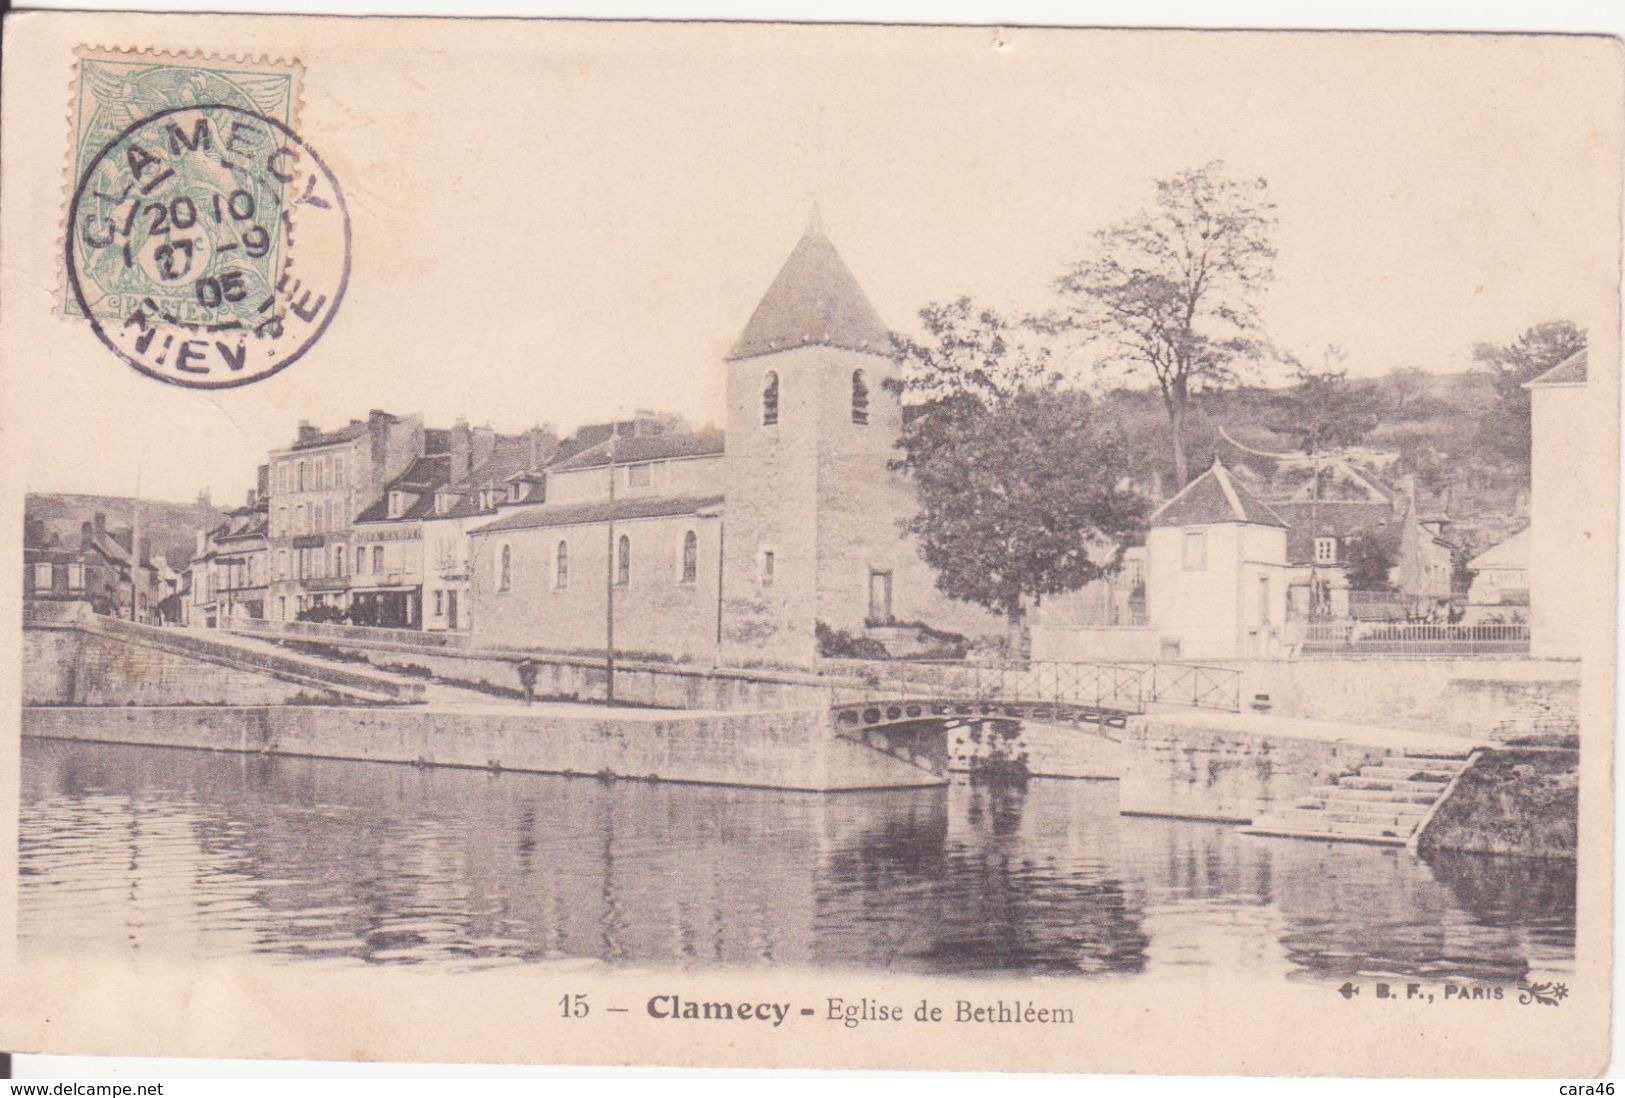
[
  {"x": 1441, "y": 426},
  {"x": 170, "y": 528}
]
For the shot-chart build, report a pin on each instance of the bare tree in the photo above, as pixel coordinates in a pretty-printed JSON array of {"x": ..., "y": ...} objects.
[{"x": 1175, "y": 289}]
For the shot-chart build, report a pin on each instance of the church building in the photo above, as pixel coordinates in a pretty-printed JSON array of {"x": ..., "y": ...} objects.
[{"x": 734, "y": 545}]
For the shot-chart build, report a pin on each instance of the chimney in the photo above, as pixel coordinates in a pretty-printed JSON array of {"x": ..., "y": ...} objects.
[
  {"x": 262, "y": 481},
  {"x": 461, "y": 457},
  {"x": 306, "y": 430},
  {"x": 1405, "y": 497},
  {"x": 253, "y": 498},
  {"x": 33, "y": 530},
  {"x": 101, "y": 523},
  {"x": 484, "y": 441},
  {"x": 87, "y": 534}
]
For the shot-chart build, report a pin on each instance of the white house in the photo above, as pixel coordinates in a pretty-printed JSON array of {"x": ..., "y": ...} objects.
[
  {"x": 1216, "y": 575},
  {"x": 1561, "y": 501},
  {"x": 1500, "y": 577}
]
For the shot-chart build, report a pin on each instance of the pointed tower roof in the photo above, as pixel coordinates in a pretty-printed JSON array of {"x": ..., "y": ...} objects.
[
  {"x": 1214, "y": 497},
  {"x": 813, "y": 301}
]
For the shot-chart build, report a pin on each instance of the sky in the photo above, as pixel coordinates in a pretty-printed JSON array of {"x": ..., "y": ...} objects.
[{"x": 563, "y": 223}]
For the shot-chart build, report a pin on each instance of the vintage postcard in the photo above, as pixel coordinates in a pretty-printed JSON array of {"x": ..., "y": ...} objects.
[{"x": 827, "y": 546}]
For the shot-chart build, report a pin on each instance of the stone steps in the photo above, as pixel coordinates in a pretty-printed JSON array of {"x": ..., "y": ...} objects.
[
  {"x": 1396, "y": 785},
  {"x": 1432, "y": 773},
  {"x": 1419, "y": 796},
  {"x": 1383, "y": 804}
]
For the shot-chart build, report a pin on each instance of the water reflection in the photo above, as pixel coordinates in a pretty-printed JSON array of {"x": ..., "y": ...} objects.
[{"x": 189, "y": 853}]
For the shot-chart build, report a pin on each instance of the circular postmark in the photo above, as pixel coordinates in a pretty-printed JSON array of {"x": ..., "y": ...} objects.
[{"x": 208, "y": 245}]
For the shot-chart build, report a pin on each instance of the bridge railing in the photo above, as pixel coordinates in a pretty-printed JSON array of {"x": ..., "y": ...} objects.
[
  {"x": 1197, "y": 685},
  {"x": 1104, "y": 685}
]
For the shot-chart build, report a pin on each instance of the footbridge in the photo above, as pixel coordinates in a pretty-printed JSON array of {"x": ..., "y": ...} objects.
[{"x": 921, "y": 711}]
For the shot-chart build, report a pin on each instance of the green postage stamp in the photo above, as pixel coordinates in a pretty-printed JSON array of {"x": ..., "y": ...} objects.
[{"x": 116, "y": 90}]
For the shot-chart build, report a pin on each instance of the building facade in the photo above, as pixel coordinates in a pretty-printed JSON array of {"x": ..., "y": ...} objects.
[
  {"x": 1216, "y": 572},
  {"x": 317, "y": 487},
  {"x": 1561, "y": 499}
]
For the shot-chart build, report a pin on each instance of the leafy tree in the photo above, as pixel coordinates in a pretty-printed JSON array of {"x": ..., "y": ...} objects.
[
  {"x": 1369, "y": 563},
  {"x": 1534, "y": 352},
  {"x": 1023, "y": 486},
  {"x": 1323, "y": 412},
  {"x": 1175, "y": 289}
]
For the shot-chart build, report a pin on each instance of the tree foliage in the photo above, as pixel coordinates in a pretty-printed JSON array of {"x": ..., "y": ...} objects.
[
  {"x": 1369, "y": 563},
  {"x": 1534, "y": 352},
  {"x": 1022, "y": 485},
  {"x": 1175, "y": 289},
  {"x": 1323, "y": 412}
]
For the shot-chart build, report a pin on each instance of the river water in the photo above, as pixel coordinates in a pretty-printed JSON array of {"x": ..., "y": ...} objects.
[{"x": 171, "y": 853}]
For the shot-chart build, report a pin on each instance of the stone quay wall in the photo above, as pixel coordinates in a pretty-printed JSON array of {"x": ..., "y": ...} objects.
[
  {"x": 1165, "y": 768},
  {"x": 1481, "y": 698},
  {"x": 788, "y": 749},
  {"x": 563, "y": 676}
]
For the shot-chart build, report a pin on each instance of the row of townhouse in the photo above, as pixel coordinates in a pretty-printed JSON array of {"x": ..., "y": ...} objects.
[{"x": 369, "y": 523}]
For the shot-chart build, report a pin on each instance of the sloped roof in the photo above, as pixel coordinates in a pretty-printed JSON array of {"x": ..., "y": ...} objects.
[
  {"x": 423, "y": 476},
  {"x": 577, "y": 514},
  {"x": 510, "y": 459},
  {"x": 1340, "y": 519},
  {"x": 346, "y": 433},
  {"x": 646, "y": 448},
  {"x": 1571, "y": 371},
  {"x": 815, "y": 300},
  {"x": 1510, "y": 552},
  {"x": 1214, "y": 497}
]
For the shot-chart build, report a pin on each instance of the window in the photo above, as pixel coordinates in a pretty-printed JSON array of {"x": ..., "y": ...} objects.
[
  {"x": 691, "y": 557},
  {"x": 860, "y": 398},
  {"x": 623, "y": 561},
  {"x": 1325, "y": 550},
  {"x": 769, "y": 565},
  {"x": 332, "y": 514},
  {"x": 76, "y": 576},
  {"x": 439, "y": 604},
  {"x": 561, "y": 567},
  {"x": 505, "y": 576},
  {"x": 1196, "y": 551},
  {"x": 360, "y": 559},
  {"x": 397, "y": 504},
  {"x": 299, "y": 520},
  {"x": 42, "y": 576},
  {"x": 281, "y": 564},
  {"x": 338, "y": 471},
  {"x": 338, "y": 560},
  {"x": 281, "y": 522},
  {"x": 770, "y": 399},
  {"x": 1263, "y": 602},
  {"x": 638, "y": 476},
  {"x": 378, "y": 559},
  {"x": 301, "y": 476}
]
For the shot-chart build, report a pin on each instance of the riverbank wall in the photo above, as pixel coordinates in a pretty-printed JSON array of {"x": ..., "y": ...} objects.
[
  {"x": 788, "y": 749},
  {"x": 560, "y": 676},
  {"x": 1185, "y": 766}
]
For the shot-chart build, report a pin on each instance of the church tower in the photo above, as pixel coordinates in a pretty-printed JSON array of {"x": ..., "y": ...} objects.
[{"x": 812, "y": 508}]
